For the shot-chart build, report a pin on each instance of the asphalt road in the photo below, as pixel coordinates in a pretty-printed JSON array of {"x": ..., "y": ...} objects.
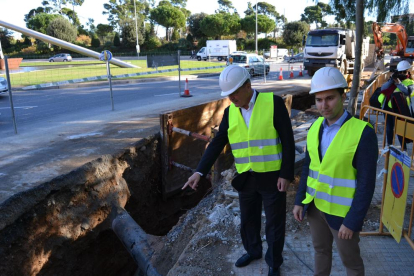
[{"x": 45, "y": 108}]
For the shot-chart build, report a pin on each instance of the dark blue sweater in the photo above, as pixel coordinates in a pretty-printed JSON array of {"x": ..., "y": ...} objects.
[{"x": 365, "y": 162}]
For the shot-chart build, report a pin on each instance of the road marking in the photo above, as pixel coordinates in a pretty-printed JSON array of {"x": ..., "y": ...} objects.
[
  {"x": 166, "y": 94},
  {"x": 84, "y": 135},
  {"x": 23, "y": 107}
]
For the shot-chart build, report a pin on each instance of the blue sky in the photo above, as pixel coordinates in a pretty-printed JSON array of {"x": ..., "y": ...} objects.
[{"x": 13, "y": 11}]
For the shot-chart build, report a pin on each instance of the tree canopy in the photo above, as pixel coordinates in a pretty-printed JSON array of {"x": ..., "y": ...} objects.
[
  {"x": 61, "y": 28},
  {"x": 294, "y": 32},
  {"x": 168, "y": 17},
  {"x": 315, "y": 14}
]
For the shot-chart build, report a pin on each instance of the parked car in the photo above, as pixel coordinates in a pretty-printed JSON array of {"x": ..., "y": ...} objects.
[
  {"x": 296, "y": 58},
  {"x": 61, "y": 57},
  {"x": 3, "y": 85},
  {"x": 252, "y": 62}
]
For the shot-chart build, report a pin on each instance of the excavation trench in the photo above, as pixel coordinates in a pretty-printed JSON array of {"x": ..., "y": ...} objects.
[{"x": 64, "y": 226}]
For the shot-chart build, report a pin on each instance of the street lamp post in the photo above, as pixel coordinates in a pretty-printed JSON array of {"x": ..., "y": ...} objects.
[
  {"x": 256, "y": 28},
  {"x": 136, "y": 27}
]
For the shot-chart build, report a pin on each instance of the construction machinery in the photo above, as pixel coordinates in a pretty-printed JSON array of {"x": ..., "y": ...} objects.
[{"x": 404, "y": 50}]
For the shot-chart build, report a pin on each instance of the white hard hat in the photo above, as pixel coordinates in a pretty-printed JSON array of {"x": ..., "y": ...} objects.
[
  {"x": 231, "y": 78},
  {"x": 327, "y": 78},
  {"x": 403, "y": 65}
]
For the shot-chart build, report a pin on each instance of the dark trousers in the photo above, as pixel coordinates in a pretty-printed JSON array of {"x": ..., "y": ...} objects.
[
  {"x": 390, "y": 124},
  {"x": 252, "y": 196}
]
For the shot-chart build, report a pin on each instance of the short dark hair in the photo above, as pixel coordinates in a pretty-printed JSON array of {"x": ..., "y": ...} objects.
[
  {"x": 245, "y": 82},
  {"x": 341, "y": 91}
]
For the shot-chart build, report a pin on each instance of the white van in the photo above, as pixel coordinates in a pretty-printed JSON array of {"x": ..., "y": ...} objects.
[{"x": 282, "y": 52}]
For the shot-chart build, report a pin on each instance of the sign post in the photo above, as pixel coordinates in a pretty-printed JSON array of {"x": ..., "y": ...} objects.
[
  {"x": 6, "y": 62},
  {"x": 107, "y": 56},
  {"x": 179, "y": 73}
]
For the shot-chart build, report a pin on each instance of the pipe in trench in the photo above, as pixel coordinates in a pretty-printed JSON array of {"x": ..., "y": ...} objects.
[{"x": 135, "y": 241}]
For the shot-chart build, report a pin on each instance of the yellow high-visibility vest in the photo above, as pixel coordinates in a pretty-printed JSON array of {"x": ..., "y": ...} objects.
[
  {"x": 257, "y": 147},
  {"x": 406, "y": 82},
  {"x": 332, "y": 182}
]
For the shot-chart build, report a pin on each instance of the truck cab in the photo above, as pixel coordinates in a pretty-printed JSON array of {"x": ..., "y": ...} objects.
[{"x": 331, "y": 48}]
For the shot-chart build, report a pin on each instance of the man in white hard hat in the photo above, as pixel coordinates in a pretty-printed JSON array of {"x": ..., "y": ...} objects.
[
  {"x": 258, "y": 128},
  {"x": 400, "y": 81},
  {"x": 338, "y": 176}
]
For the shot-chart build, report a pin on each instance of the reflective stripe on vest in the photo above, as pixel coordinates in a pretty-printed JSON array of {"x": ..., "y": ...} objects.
[
  {"x": 332, "y": 182},
  {"x": 258, "y": 147}
]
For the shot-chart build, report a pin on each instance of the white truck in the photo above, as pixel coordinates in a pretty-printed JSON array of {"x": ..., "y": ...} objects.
[
  {"x": 333, "y": 47},
  {"x": 219, "y": 49}
]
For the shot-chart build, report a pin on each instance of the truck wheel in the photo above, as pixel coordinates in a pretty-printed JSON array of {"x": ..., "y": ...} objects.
[
  {"x": 219, "y": 58},
  {"x": 251, "y": 72},
  {"x": 199, "y": 58},
  {"x": 311, "y": 72}
]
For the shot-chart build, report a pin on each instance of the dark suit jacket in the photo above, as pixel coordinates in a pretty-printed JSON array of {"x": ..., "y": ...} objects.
[
  {"x": 365, "y": 162},
  {"x": 282, "y": 124}
]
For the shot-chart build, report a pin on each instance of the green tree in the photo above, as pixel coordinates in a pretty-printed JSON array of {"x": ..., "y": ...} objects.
[
  {"x": 71, "y": 15},
  {"x": 225, "y": 6},
  {"x": 212, "y": 25},
  {"x": 121, "y": 11},
  {"x": 117, "y": 41},
  {"x": 294, "y": 32},
  {"x": 264, "y": 24},
  {"x": 95, "y": 42},
  {"x": 194, "y": 24},
  {"x": 315, "y": 14},
  {"x": 129, "y": 37},
  {"x": 219, "y": 24},
  {"x": 268, "y": 10},
  {"x": 61, "y": 28},
  {"x": 6, "y": 37},
  {"x": 45, "y": 8},
  {"x": 179, "y": 3},
  {"x": 383, "y": 9},
  {"x": 103, "y": 30},
  {"x": 168, "y": 17},
  {"x": 41, "y": 21}
]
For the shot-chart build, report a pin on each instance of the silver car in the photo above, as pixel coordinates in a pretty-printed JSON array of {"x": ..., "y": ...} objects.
[
  {"x": 61, "y": 57},
  {"x": 3, "y": 85},
  {"x": 252, "y": 62}
]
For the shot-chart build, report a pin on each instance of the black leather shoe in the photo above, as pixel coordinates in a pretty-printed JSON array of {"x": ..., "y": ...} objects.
[
  {"x": 273, "y": 271},
  {"x": 245, "y": 260}
]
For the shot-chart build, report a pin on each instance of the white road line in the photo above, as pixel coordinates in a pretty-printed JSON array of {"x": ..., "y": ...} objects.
[
  {"x": 176, "y": 93},
  {"x": 23, "y": 107}
]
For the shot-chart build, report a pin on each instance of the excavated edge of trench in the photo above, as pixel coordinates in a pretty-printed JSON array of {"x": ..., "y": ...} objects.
[{"x": 62, "y": 227}]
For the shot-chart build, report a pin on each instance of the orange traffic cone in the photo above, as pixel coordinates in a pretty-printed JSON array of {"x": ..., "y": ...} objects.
[
  {"x": 291, "y": 72},
  {"x": 186, "y": 90},
  {"x": 300, "y": 72},
  {"x": 281, "y": 74}
]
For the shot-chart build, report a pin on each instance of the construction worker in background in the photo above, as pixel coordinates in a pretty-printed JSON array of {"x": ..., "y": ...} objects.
[
  {"x": 400, "y": 103},
  {"x": 338, "y": 175},
  {"x": 258, "y": 128}
]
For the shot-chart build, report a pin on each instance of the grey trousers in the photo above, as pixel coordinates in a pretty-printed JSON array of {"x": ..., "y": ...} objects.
[{"x": 322, "y": 238}]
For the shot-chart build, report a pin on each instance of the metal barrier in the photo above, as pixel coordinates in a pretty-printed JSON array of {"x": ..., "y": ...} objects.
[{"x": 404, "y": 127}]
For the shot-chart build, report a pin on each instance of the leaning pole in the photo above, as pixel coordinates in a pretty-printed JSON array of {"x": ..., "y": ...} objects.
[{"x": 63, "y": 44}]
